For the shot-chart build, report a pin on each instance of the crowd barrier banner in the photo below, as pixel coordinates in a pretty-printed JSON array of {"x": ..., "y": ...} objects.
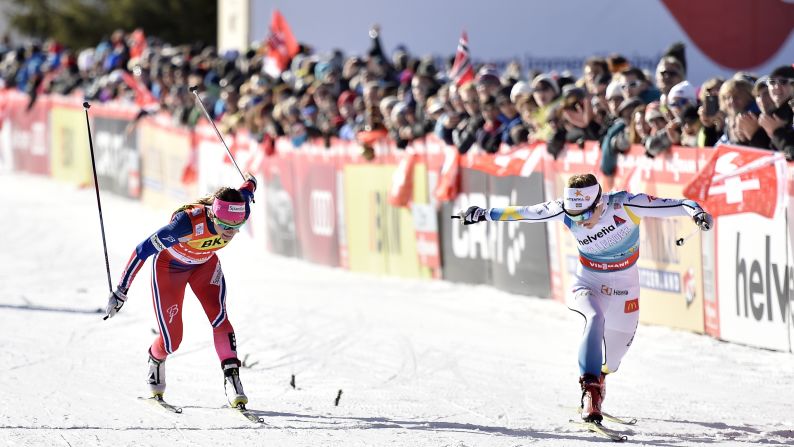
[
  {"x": 520, "y": 262},
  {"x": 425, "y": 209},
  {"x": 70, "y": 155},
  {"x": 165, "y": 151},
  {"x": 380, "y": 237},
  {"x": 746, "y": 190},
  {"x": 467, "y": 250},
  {"x": 315, "y": 192},
  {"x": 29, "y": 137},
  {"x": 281, "y": 202},
  {"x": 6, "y": 153},
  {"x": 118, "y": 159}
]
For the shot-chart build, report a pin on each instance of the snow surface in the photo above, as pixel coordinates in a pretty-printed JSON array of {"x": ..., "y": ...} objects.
[{"x": 420, "y": 363}]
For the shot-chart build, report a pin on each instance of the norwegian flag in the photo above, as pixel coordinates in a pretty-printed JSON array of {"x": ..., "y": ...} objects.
[
  {"x": 462, "y": 71},
  {"x": 740, "y": 180},
  {"x": 281, "y": 46}
]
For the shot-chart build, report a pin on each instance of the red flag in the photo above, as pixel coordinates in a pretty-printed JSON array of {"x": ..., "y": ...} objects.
[
  {"x": 281, "y": 45},
  {"x": 137, "y": 43},
  {"x": 740, "y": 180},
  {"x": 462, "y": 71},
  {"x": 143, "y": 97}
]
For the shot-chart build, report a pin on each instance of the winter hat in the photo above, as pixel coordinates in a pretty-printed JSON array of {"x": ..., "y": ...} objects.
[
  {"x": 784, "y": 71},
  {"x": 652, "y": 111},
  {"x": 545, "y": 77},
  {"x": 614, "y": 90},
  {"x": 520, "y": 88},
  {"x": 683, "y": 90},
  {"x": 229, "y": 212}
]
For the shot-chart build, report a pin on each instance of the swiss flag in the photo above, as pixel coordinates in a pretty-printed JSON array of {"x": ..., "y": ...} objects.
[
  {"x": 740, "y": 180},
  {"x": 462, "y": 71},
  {"x": 281, "y": 46}
]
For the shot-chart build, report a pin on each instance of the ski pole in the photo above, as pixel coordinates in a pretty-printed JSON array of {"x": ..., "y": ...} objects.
[
  {"x": 194, "y": 90},
  {"x": 86, "y": 106},
  {"x": 680, "y": 241}
]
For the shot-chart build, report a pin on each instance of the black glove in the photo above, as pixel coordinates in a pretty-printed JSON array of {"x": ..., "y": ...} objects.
[
  {"x": 473, "y": 215},
  {"x": 115, "y": 301},
  {"x": 703, "y": 220}
]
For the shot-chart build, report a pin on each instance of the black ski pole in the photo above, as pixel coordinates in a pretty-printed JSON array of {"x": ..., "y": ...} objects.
[{"x": 86, "y": 106}]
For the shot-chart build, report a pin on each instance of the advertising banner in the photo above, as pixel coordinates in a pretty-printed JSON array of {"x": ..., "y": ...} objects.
[
  {"x": 165, "y": 151},
  {"x": 315, "y": 190},
  {"x": 29, "y": 133},
  {"x": 380, "y": 237},
  {"x": 118, "y": 160},
  {"x": 70, "y": 154},
  {"x": 282, "y": 208},
  {"x": 467, "y": 250},
  {"x": 520, "y": 263},
  {"x": 755, "y": 280},
  {"x": 6, "y": 153}
]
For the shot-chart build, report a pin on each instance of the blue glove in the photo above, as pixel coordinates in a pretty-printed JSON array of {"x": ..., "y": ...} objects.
[
  {"x": 703, "y": 220},
  {"x": 473, "y": 215}
]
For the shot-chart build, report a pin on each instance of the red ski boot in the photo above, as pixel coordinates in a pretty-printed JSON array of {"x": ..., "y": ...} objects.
[{"x": 591, "y": 398}]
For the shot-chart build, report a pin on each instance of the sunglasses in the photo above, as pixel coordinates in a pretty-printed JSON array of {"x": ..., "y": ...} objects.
[
  {"x": 632, "y": 84},
  {"x": 226, "y": 226},
  {"x": 772, "y": 82},
  {"x": 678, "y": 102}
]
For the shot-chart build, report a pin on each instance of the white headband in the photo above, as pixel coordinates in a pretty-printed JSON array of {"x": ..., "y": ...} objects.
[{"x": 579, "y": 199}]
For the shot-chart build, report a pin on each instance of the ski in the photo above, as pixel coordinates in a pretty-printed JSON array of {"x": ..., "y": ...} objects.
[
  {"x": 599, "y": 429},
  {"x": 250, "y": 415},
  {"x": 618, "y": 420},
  {"x": 614, "y": 419},
  {"x": 158, "y": 400}
]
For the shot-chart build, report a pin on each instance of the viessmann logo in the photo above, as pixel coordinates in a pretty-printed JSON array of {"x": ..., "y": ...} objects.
[{"x": 321, "y": 212}]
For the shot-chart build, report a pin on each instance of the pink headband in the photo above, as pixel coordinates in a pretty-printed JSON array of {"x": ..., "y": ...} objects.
[{"x": 230, "y": 212}]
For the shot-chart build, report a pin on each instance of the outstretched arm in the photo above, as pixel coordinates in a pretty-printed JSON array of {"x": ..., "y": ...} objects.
[
  {"x": 644, "y": 205},
  {"x": 542, "y": 212}
]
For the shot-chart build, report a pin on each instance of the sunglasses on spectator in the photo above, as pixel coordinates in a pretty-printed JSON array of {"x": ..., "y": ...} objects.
[
  {"x": 669, "y": 73},
  {"x": 678, "y": 102},
  {"x": 227, "y": 226},
  {"x": 779, "y": 81},
  {"x": 633, "y": 84}
]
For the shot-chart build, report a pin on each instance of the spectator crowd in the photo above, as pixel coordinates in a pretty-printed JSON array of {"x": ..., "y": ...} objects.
[{"x": 363, "y": 98}]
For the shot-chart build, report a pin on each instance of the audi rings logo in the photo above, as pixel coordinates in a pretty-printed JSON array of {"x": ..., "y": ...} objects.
[{"x": 321, "y": 213}]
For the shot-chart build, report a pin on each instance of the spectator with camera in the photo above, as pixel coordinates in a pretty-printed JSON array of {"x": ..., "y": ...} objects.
[
  {"x": 741, "y": 120},
  {"x": 513, "y": 132},
  {"x": 465, "y": 134},
  {"x": 777, "y": 123},
  {"x": 489, "y": 136},
  {"x": 710, "y": 114},
  {"x": 683, "y": 126}
]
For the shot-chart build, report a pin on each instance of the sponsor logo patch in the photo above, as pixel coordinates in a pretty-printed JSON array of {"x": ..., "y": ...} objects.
[
  {"x": 172, "y": 311},
  {"x": 618, "y": 221},
  {"x": 606, "y": 290},
  {"x": 199, "y": 229},
  {"x": 237, "y": 208},
  {"x": 631, "y": 306},
  {"x": 158, "y": 244}
]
